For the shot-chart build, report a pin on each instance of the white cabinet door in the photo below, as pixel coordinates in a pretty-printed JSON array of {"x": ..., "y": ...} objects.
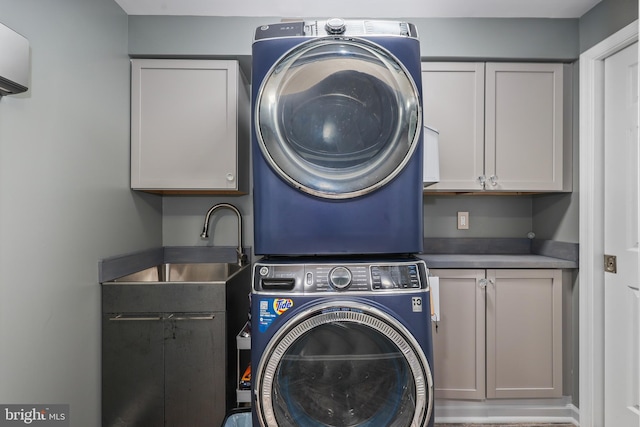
[
  {"x": 188, "y": 118},
  {"x": 499, "y": 334},
  {"x": 458, "y": 338},
  {"x": 502, "y": 125},
  {"x": 524, "y": 333},
  {"x": 524, "y": 142},
  {"x": 453, "y": 104}
]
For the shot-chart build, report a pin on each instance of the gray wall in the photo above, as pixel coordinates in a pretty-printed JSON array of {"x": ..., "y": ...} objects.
[
  {"x": 542, "y": 39},
  {"x": 555, "y": 216},
  {"x": 489, "y": 216},
  {"x": 604, "y": 19},
  {"x": 65, "y": 201}
]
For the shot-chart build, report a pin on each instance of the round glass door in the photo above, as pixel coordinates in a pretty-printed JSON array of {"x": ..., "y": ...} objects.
[
  {"x": 344, "y": 366},
  {"x": 338, "y": 118}
]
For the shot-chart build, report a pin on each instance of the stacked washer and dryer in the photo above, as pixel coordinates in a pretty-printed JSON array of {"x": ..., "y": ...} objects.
[{"x": 341, "y": 332}]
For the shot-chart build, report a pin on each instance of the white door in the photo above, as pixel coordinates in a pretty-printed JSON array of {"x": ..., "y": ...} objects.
[{"x": 621, "y": 342}]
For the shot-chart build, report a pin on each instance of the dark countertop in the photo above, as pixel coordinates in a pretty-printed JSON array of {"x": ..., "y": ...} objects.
[
  {"x": 499, "y": 253},
  {"x": 438, "y": 253},
  {"x": 496, "y": 261}
]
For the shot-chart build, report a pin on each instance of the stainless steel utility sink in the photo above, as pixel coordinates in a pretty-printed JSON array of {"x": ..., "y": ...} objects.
[{"x": 183, "y": 273}]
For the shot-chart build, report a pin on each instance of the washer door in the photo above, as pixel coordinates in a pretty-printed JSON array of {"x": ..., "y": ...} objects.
[
  {"x": 343, "y": 364},
  {"x": 338, "y": 118}
]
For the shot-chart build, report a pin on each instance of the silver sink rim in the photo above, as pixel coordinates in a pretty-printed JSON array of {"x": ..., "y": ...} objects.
[{"x": 161, "y": 274}]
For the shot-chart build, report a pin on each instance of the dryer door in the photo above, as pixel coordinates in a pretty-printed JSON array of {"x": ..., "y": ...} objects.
[
  {"x": 338, "y": 118},
  {"x": 343, "y": 364}
]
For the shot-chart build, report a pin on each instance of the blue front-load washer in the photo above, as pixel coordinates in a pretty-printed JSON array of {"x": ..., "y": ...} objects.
[
  {"x": 337, "y": 138},
  {"x": 341, "y": 343}
]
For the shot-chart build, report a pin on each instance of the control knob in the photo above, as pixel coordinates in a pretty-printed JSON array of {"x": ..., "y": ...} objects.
[
  {"x": 340, "y": 278},
  {"x": 335, "y": 26}
]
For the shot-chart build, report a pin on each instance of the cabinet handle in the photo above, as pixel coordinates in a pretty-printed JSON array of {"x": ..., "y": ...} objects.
[
  {"x": 133, "y": 318},
  {"x": 124, "y": 318},
  {"x": 198, "y": 317},
  {"x": 493, "y": 179},
  {"x": 483, "y": 283},
  {"x": 482, "y": 180}
]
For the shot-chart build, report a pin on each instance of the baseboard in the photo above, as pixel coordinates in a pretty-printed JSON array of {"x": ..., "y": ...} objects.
[{"x": 498, "y": 411}]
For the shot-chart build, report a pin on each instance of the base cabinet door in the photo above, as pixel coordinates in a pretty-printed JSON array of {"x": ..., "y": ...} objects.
[
  {"x": 164, "y": 369},
  {"x": 499, "y": 334},
  {"x": 458, "y": 338},
  {"x": 524, "y": 333},
  {"x": 132, "y": 370},
  {"x": 195, "y": 369}
]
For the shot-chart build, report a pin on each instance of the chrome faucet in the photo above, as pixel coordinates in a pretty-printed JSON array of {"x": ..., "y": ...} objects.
[{"x": 242, "y": 258}]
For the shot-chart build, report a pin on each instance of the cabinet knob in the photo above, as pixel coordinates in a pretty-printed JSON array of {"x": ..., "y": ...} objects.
[
  {"x": 230, "y": 177},
  {"x": 493, "y": 179}
]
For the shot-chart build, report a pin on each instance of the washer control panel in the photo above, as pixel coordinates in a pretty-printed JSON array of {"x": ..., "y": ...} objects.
[{"x": 282, "y": 276}]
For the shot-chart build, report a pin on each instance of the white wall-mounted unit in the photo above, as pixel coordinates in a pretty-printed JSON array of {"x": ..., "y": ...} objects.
[
  {"x": 431, "y": 165},
  {"x": 14, "y": 62}
]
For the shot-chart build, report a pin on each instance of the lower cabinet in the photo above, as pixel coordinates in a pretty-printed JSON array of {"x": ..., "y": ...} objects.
[
  {"x": 499, "y": 334},
  {"x": 163, "y": 369},
  {"x": 169, "y": 351}
]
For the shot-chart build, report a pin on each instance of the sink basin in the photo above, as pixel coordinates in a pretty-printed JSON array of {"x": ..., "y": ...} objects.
[{"x": 183, "y": 273}]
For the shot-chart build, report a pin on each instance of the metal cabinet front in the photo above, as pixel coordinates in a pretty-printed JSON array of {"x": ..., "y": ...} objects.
[
  {"x": 132, "y": 370},
  {"x": 343, "y": 364}
]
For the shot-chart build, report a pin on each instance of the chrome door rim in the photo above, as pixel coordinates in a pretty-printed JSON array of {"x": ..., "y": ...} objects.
[
  {"x": 360, "y": 313},
  {"x": 414, "y": 126}
]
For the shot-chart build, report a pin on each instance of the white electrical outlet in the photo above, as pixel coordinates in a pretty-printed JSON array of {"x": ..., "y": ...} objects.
[{"x": 463, "y": 220}]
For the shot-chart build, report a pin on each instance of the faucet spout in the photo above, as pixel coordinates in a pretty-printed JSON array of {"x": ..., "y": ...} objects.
[{"x": 205, "y": 229}]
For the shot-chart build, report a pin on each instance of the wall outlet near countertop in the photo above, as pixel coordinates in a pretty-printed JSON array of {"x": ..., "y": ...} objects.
[{"x": 463, "y": 220}]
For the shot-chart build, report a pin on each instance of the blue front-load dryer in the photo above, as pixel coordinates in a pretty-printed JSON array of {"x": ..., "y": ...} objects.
[
  {"x": 337, "y": 138},
  {"x": 341, "y": 343}
]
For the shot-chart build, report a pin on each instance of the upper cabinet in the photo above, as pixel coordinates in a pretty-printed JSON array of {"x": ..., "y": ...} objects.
[
  {"x": 504, "y": 127},
  {"x": 453, "y": 104},
  {"x": 189, "y": 126}
]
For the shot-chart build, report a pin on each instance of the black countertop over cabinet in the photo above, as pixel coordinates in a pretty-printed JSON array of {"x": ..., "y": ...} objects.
[{"x": 499, "y": 253}]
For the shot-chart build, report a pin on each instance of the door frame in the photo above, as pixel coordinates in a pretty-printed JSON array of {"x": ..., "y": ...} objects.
[{"x": 591, "y": 305}]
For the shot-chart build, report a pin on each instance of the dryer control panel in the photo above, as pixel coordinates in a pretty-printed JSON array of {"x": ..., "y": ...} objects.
[
  {"x": 336, "y": 27},
  {"x": 349, "y": 276}
]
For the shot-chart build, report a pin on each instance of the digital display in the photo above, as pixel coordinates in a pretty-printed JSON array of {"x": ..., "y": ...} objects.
[{"x": 395, "y": 276}]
